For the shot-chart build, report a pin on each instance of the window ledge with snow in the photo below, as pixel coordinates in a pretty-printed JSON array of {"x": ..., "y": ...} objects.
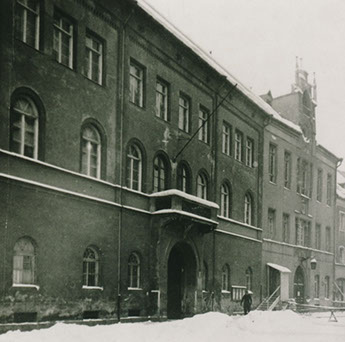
[
  {"x": 135, "y": 289},
  {"x": 86, "y": 287},
  {"x": 33, "y": 286},
  {"x": 226, "y": 292}
]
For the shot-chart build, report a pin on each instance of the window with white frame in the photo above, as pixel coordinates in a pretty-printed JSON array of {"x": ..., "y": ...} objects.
[
  {"x": 134, "y": 271},
  {"x": 183, "y": 178},
  {"x": 203, "y": 125},
  {"x": 287, "y": 170},
  {"x": 248, "y": 209},
  {"x": 226, "y": 139},
  {"x": 286, "y": 227},
  {"x": 272, "y": 163},
  {"x": 94, "y": 58},
  {"x": 24, "y": 127},
  {"x": 134, "y": 168},
  {"x": 303, "y": 232},
  {"x": 91, "y": 152},
  {"x": 202, "y": 186},
  {"x": 225, "y": 200},
  {"x": 226, "y": 278},
  {"x": 162, "y": 110},
  {"x": 63, "y": 40},
  {"x": 327, "y": 287},
  {"x": 184, "y": 114},
  {"x": 341, "y": 221},
  {"x": 342, "y": 255},
  {"x": 90, "y": 267},
  {"x": 24, "y": 262},
  {"x": 159, "y": 174},
  {"x": 238, "y": 145},
  {"x": 136, "y": 84},
  {"x": 249, "y": 152},
  {"x": 28, "y": 22},
  {"x": 271, "y": 223},
  {"x": 317, "y": 286}
]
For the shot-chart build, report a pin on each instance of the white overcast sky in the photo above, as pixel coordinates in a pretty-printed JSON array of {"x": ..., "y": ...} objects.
[{"x": 258, "y": 40}]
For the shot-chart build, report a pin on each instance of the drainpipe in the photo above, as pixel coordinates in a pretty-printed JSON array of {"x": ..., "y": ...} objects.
[{"x": 121, "y": 96}]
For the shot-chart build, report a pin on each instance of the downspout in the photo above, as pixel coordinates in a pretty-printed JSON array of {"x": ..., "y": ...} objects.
[{"x": 121, "y": 96}]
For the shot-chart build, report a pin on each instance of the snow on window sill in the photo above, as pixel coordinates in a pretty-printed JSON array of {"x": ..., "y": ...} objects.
[
  {"x": 226, "y": 291},
  {"x": 85, "y": 287},
  {"x": 27, "y": 285},
  {"x": 135, "y": 289}
]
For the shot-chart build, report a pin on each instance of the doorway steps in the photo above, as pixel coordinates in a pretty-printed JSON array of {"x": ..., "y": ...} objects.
[{"x": 270, "y": 303}]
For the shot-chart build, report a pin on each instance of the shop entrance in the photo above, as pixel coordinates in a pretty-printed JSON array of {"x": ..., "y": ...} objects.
[{"x": 181, "y": 281}]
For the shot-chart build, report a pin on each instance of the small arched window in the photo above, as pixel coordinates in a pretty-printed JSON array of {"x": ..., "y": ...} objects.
[
  {"x": 91, "y": 152},
  {"x": 226, "y": 278},
  {"x": 24, "y": 127},
  {"x": 205, "y": 277},
  {"x": 248, "y": 209},
  {"x": 225, "y": 200},
  {"x": 24, "y": 262},
  {"x": 249, "y": 278},
  {"x": 90, "y": 267},
  {"x": 202, "y": 186},
  {"x": 342, "y": 255},
  {"x": 327, "y": 287},
  {"x": 183, "y": 178},
  {"x": 134, "y": 168},
  {"x": 317, "y": 286},
  {"x": 134, "y": 271},
  {"x": 160, "y": 174}
]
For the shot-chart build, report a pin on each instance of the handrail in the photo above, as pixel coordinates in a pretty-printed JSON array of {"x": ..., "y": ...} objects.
[{"x": 267, "y": 299}]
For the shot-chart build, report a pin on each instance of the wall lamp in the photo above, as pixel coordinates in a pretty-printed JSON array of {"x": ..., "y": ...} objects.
[{"x": 313, "y": 261}]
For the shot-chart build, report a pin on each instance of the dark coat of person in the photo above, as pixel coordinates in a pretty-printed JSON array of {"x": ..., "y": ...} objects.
[{"x": 247, "y": 302}]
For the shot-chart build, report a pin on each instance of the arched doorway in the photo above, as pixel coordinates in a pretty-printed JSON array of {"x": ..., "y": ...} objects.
[
  {"x": 299, "y": 285},
  {"x": 181, "y": 281}
]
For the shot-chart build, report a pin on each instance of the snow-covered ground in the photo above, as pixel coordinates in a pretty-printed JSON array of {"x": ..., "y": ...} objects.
[{"x": 215, "y": 327}]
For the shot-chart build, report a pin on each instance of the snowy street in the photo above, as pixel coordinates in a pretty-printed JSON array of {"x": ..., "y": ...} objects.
[{"x": 257, "y": 326}]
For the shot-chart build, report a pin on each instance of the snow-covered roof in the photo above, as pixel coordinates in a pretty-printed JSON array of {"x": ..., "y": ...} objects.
[
  {"x": 279, "y": 267},
  {"x": 213, "y": 63},
  {"x": 175, "y": 192}
]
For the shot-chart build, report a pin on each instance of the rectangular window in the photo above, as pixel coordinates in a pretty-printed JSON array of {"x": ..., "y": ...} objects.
[
  {"x": 203, "y": 125},
  {"x": 318, "y": 236},
  {"x": 272, "y": 163},
  {"x": 238, "y": 145},
  {"x": 287, "y": 170},
  {"x": 249, "y": 152},
  {"x": 271, "y": 222},
  {"x": 307, "y": 233},
  {"x": 184, "y": 114},
  {"x": 317, "y": 286},
  {"x": 304, "y": 177},
  {"x": 303, "y": 232},
  {"x": 162, "y": 100},
  {"x": 136, "y": 84},
  {"x": 28, "y": 22},
  {"x": 63, "y": 40},
  {"x": 329, "y": 189},
  {"x": 319, "y": 185},
  {"x": 341, "y": 221},
  {"x": 328, "y": 243},
  {"x": 286, "y": 228},
  {"x": 226, "y": 139},
  {"x": 93, "y": 58}
]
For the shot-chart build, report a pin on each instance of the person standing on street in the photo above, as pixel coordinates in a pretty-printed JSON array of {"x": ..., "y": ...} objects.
[{"x": 247, "y": 302}]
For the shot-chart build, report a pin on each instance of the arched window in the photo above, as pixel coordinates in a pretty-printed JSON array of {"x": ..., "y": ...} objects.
[
  {"x": 341, "y": 255},
  {"x": 225, "y": 200},
  {"x": 24, "y": 262},
  {"x": 248, "y": 209},
  {"x": 249, "y": 278},
  {"x": 91, "y": 152},
  {"x": 183, "y": 178},
  {"x": 202, "y": 186},
  {"x": 205, "y": 277},
  {"x": 134, "y": 168},
  {"x": 327, "y": 287},
  {"x": 317, "y": 286},
  {"x": 134, "y": 271},
  {"x": 24, "y": 127},
  {"x": 160, "y": 174},
  {"x": 226, "y": 278},
  {"x": 90, "y": 267}
]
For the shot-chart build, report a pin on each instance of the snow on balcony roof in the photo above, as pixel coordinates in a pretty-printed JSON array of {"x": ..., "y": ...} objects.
[
  {"x": 279, "y": 267},
  {"x": 214, "y": 64},
  {"x": 175, "y": 192}
]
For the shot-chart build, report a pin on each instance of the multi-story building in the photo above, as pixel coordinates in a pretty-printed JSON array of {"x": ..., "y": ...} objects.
[
  {"x": 130, "y": 167},
  {"x": 339, "y": 286},
  {"x": 299, "y": 200}
]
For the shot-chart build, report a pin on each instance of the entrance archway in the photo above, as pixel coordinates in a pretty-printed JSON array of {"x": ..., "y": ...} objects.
[
  {"x": 182, "y": 272},
  {"x": 299, "y": 285}
]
